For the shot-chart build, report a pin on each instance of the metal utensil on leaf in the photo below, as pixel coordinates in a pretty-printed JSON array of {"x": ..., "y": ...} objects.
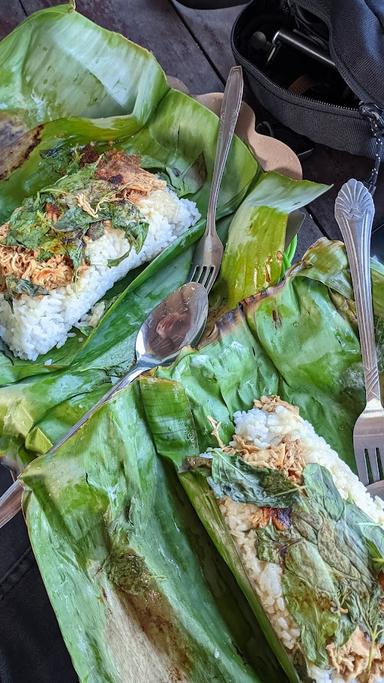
[
  {"x": 209, "y": 251},
  {"x": 354, "y": 212},
  {"x": 178, "y": 321}
]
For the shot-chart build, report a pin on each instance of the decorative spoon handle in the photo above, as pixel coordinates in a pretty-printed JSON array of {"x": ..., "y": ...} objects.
[{"x": 354, "y": 212}]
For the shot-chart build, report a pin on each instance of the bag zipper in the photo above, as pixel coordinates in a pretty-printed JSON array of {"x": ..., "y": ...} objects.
[
  {"x": 365, "y": 112},
  {"x": 258, "y": 72}
]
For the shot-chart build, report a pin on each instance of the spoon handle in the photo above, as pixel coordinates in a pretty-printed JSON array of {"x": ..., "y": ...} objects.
[
  {"x": 10, "y": 501},
  {"x": 137, "y": 370}
]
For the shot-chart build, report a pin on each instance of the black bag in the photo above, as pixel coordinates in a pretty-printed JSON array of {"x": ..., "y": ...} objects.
[{"x": 317, "y": 66}]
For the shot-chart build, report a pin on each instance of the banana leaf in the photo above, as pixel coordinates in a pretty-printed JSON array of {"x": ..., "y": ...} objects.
[
  {"x": 59, "y": 89},
  {"x": 297, "y": 339},
  {"x": 136, "y": 585},
  {"x": 254, "y": 253}
]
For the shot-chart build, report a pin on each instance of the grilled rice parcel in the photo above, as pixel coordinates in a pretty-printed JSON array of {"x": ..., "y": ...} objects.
[
  {"x": 310, "y": 539},
  {"x": 62, "y": 249}
]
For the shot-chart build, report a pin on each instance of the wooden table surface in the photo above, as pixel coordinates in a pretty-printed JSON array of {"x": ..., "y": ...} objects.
[{"x": 194, "y": 45}]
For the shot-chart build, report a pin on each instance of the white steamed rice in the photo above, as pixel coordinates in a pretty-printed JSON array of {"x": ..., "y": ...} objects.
[
  {"x": 37, "y": 324},
  {"x": 266, "y": 429}
]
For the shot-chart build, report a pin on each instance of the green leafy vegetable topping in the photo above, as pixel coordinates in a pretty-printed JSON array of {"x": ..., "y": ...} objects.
[
  {"x": 17, "y": 286},
  {"x": 95, "y": 230},
  {"x": 62, "y": 159},
  {"x": 271, "y": 544},
  {"x": 313, "y": 612},
  {"x": 330, "y": 552},
  {"x": 58, "y": 219},
  {"x": 127, "y": 217},
  {"x": 232, "y": 476},
  {"x": 321, "y": 489},
  {"x": 73, "y": 218},
  {"x": 28, "y": 225}
]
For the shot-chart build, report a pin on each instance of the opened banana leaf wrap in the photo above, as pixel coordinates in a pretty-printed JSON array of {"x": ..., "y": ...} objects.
[
  {"x": 67, "y": 82},
  {"x": 106, "y": 517}
]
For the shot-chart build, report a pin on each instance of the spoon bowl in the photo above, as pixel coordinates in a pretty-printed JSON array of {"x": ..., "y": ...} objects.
[{"x": 176, "y": 322}]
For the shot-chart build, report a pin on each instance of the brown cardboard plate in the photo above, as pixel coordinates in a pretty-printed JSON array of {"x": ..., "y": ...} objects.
[{"x": 272, "y": 154}]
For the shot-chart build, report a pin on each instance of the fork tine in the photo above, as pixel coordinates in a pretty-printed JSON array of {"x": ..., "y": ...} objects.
[
  {"x": 380, "y": 460},
  {"x": 195, "y": 274},
  {"x": 207, "y": 276},
  {"x": 371, "y": 456},
  {"x": 192, "y": 273},
  {"x": 362, "y": 469},
  {"x": 203, "y": 274},
  {"x": 211, "y": 279}
]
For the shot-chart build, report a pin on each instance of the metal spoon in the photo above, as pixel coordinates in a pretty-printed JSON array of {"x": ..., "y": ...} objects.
[{"x": 176, "y": 322}]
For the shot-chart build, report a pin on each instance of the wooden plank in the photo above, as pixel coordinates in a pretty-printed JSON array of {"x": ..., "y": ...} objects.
[
  {"x": 308, "y": 234},
  {"x": 11, "y": 14},
  {"x": 331, "y": 166},
  {"x": 212, "y": 30},
  {"x": 155, "y": 25}
]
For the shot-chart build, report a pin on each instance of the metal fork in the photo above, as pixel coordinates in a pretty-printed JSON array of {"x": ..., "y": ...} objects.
[
  {"x": 354, "y": 212},
  {"x": 209, "y": 251}
]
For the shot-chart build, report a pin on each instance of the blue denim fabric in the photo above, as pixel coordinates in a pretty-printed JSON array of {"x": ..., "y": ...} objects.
[{"x": 31, "y": 647}]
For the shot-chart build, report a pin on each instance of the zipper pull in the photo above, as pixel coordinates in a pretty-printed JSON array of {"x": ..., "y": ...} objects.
[{"x": 375, "y": 117}]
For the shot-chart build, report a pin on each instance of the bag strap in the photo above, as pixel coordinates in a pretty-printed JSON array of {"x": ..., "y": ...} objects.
[{"x": 375, "y": 117}]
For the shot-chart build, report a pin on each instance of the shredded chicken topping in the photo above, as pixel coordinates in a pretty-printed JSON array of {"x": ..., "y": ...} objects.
[
  {"x": 352, "y": 659},
  {"x": 122, "y": 169},
  {"x": 23, "y": 264},
  {"x": 270, "y": 403},
  {"x": 287, "y": 456}
]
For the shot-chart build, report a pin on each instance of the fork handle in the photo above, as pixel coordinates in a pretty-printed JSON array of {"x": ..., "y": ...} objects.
[
  {"x": 354, "y": 212},
  {"x": 229, "y": 114}
]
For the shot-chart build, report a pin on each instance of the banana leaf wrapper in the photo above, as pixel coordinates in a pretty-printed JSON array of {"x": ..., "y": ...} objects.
[
  {"x": 137, "y": 587},
  {"x": 297, "y": 339},
  {"x": 106, "y": 496},
  {"x": 66, "y": 82}
]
